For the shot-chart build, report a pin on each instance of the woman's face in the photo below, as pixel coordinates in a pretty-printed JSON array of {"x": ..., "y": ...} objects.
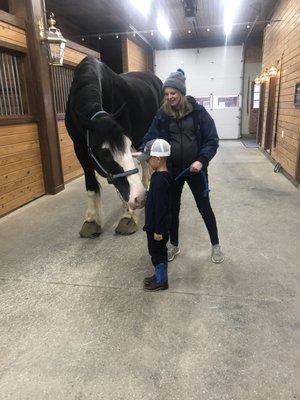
[{"x": 172, "y": 96}]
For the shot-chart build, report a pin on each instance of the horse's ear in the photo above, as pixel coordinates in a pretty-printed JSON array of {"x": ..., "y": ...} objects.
[
  {"x": 84, "y": 121},
  {"x": 119, "y": 112}
]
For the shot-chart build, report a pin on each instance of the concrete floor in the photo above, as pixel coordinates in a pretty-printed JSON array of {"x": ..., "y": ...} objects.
[{"x": 75, "y": 324}]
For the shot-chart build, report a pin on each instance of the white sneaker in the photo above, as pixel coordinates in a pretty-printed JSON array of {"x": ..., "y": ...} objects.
[
  {"x": 173, "y": 251},
  {"x": 217, "y": 255}
]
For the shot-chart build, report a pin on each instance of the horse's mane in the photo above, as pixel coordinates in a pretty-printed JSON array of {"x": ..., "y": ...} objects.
[{"x": 87, "y": 87}]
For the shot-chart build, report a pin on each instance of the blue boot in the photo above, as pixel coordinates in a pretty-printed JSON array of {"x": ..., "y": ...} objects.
[{"x": 161, "y": 279}]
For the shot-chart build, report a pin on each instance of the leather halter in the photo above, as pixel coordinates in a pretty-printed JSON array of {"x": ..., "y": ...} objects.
[{"x": 110, "y": 177}]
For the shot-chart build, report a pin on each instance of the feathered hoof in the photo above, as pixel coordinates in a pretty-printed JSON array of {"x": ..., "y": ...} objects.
[
  {"x": 90, "y": 230},
  {"x": 126, "y": 226}
]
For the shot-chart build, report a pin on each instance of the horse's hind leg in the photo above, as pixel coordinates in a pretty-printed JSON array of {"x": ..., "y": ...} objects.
[{"x": 91, "y": 227}]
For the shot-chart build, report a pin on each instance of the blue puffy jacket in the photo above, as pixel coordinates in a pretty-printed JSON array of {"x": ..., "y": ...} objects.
[{"x": 197, "y": 140}]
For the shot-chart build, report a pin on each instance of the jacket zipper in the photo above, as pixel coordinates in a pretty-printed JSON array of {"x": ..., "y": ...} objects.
[{"x": 181, "y": 147}]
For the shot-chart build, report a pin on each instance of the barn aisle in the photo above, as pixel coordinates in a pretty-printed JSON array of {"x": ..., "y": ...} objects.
[{"x": 75, "y": 323}]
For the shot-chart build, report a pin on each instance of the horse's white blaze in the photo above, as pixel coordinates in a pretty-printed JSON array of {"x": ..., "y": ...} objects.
[
  {"x": 137, "y": 190},
  {"x": 94, "y": 209}
]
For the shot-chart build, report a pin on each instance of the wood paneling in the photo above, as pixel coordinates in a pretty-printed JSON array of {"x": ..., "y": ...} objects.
[
  {"x": 21, "y": 174},
  {"x": 282, "y": 44},
  {"x": 73, "y": 56},
  {"x": 135, "y": 57},
  {"x": 12, "y": 34},
  {"x": 71, "y": 167}
]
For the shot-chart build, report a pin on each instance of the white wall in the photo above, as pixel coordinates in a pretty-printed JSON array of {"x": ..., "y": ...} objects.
[{"x": 216, "y": 70}]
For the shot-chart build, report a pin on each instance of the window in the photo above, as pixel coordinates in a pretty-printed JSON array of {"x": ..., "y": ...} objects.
[
  {"x": 12, "y": 102},
  {"x": 204, "y": 101},
  {"x": 62, "y": 78},
  {"x": 226, "y": 101},
  {"x": 255, "y": 96}
]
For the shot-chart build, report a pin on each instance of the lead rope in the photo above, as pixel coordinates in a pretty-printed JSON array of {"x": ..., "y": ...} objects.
[{"x": 206, "y": 188}]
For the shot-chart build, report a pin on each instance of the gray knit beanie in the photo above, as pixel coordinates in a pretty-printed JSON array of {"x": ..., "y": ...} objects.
[{"x": 176, "y": 80}]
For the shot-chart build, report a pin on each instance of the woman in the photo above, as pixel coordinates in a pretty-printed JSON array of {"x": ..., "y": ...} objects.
[{"x": 192, "y": 134}]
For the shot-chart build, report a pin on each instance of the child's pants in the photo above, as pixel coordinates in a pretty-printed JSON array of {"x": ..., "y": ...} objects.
[{"x": 158, "y": 249}]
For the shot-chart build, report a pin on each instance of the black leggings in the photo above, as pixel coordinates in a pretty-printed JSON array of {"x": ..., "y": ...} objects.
[{"x": 197, "y": 186}]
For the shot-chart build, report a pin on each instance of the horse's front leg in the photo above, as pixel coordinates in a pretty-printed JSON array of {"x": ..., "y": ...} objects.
[
  {"x": 91, "y": 227},
  {"x": 129, "y": 221}
]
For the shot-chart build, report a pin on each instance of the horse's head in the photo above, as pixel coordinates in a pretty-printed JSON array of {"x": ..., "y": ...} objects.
[{"x": 110, "y": 150}]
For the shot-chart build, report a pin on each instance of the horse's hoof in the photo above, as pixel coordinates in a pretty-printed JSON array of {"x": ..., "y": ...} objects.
[
  {"x": 126, "y": 226},
  {"x": 90, "y": 230}
]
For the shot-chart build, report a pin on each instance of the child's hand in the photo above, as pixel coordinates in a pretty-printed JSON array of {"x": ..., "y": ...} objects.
[{"x": 158, "y": 236}]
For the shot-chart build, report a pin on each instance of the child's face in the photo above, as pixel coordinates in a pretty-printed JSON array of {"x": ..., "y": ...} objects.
[{"x": 154, "y": 162}]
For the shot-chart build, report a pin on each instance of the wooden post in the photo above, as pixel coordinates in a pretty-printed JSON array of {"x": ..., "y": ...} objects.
[{"x": 38, "y": 77}]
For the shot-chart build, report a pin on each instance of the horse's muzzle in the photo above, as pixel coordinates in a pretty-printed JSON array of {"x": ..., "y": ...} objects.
[{"x": 139, "y": 202}]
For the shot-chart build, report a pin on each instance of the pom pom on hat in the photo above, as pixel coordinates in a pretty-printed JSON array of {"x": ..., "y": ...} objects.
[{"x": 176, "y": 80}]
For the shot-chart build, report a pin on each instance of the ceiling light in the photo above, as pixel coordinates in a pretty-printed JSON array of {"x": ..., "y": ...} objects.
[
  {"x": 142, "y": 5},
  {"x": 151, "y": 33},
  {"x": 134, "y": 34},
  {"x": 248, "y": 26},
  {"x": 189, "y": 31},
  {"x": 208, "y": 29},
  {"x": 163, "y": 26},
  {"x": 230, "y": 9},
  {"x": 99, "y": 37},
  {"x": 117, "y": 36}
]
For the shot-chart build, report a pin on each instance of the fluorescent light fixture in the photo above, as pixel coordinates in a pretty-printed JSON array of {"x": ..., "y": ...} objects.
[
  {"x": 230, "y": 9},
  {"x": 142, "y": 5},
  {"x": 163, "y": 26}
]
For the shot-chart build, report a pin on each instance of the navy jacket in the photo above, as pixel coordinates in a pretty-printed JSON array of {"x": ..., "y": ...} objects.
[
  {"x": 158, "y": 203},
  {"x": 202, "y": 126}
]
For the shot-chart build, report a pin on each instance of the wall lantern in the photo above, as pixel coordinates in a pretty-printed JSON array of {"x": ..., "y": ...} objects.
[
  {"x": 55, "y": 42},
  {"x": 264, "y": 77},
  {"x": 272, "y": 71},
  {"x": 257, "y": 80}
]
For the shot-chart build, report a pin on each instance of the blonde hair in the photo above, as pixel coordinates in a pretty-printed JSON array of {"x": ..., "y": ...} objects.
[{"x": 183, "y": 108}]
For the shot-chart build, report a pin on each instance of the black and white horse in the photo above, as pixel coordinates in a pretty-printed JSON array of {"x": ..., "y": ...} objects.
[{"x": 106, "y": 115}]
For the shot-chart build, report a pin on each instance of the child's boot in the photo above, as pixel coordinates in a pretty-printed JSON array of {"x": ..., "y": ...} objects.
[
  {"x": 160, "y": 281},
  {"x": 149, "y": 279}
]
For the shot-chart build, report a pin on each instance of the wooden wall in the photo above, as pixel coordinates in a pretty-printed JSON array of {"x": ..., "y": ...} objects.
[
  {"x": 282, "y": 43},
  {"x": 12, "y": 34},
  {"x": 136, "y": 57},
  {"x": 21, "y": 167},
  {"x": 21, "y": 173},
  {"x": 71, "y": 167},
  {"x": 73, "y": 56}
]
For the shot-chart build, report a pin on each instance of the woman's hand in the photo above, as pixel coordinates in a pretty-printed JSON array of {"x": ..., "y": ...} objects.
[
  {"x": 136, "y": 154},
  {"x": 158, "y": 236},
  {"x": 196, "y": 166}
]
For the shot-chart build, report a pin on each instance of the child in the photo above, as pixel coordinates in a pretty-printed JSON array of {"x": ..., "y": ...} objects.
[{"x": 158, "y": 211}]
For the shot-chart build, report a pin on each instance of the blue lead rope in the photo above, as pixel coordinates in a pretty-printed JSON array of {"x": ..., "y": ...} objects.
[{"x": 206, "y": 188}]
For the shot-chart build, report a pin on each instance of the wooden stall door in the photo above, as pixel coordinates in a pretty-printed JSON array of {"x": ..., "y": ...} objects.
[
  {"x": 261, "y": 114},
  {"x": 270, "y": 114}
]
